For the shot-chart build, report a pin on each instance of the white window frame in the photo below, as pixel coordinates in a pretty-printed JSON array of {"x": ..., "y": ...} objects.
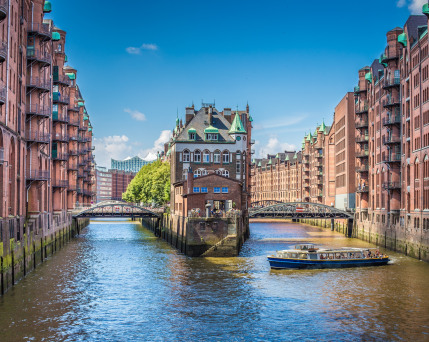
[
  {"x": 196, "y": 190},
  {"x": 206, "y": 157},
  {"x": 216, "y": 157},
  {"x": 225, "y": 173},
  {"x": 216, "y": 190},
  {"x": 225, "y": 157},
  {"x": 227, "y": 190},
  {"x": 197, "y": 173},
  {"x": 186, "y": 156},
  {"x": 197, "y": 153}
]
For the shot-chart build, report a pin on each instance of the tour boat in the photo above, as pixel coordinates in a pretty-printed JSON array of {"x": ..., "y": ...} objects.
[{"x": 308, "y": 256}]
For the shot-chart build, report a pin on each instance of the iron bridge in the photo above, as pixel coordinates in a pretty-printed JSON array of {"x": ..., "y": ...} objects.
[
  {"x": 116, "y": 209},
  {"x": 298, "y": 210}
]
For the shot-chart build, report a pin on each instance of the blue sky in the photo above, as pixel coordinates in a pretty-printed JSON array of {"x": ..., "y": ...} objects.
[{"x": 139, "y": 62}]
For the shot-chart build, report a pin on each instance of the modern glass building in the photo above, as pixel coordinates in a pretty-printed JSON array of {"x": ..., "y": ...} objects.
[{"x": 128, "y": 164}]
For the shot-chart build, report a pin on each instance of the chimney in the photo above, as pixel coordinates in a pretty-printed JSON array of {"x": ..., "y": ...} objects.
[
  {"x": 227, "y": 114},
  {"x": 190, "y": 181},
  {"x": 190, "y": 113},
  {"x": 210, "y": 115}
]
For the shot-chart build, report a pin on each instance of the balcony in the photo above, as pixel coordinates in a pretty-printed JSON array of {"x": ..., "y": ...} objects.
[
  {"x": 72, "y": 187},
  {"x": 61, "y": 79},
  {"x": 361, "y": 139},
  {"x": 59, "y": 156},
  {"x": 362, "y": 154},
  {"x": 38, "y": 83},
  {"x": 42, "y": 30},
  {"x": 37, "y": 137},
  {"x": 362, "y": 168},
  {"x": 58, "y": 98},
  {"x": 361, "y": 124},
  {"x": 391, "y": 102},
  {"x": 37, "y": 110},
  {"x": 59, "y": 117},
  {"x": 393, "y": 82},
  {"x": 391, "y": 140},
  {"x": 60, "y": 184},
  {"x": 392, "y": 158},
  {"x": 37, "y": 175},
  {"x": 73, "y": 108},
  {"x": 391, "y": 186},
  {"x": 35, "y": 55},
  {"x": 358, "y": 90},
  {"x": 72, "y": 166},
  {"x": 74, "y": 122},
  {"x": 361, "y": 189},
  {"x": 389, "y": 57},
  {"x": 3, "y": 51},
  {"x": 73, "y": 152},
  {"x": 362, "y": 109},
  {"x": 392, "y": 120},
  {"x": 60, "y": 137},
  {"x": 80, "y": 174},
  {"x": 2, "y": 95}
]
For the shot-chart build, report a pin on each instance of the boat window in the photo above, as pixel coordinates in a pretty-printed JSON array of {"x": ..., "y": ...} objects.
[{"x": 303, "y": 256}]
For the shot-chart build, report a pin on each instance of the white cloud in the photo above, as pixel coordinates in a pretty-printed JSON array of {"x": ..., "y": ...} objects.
[
  {"x": 135, "y": 114},
  {"x": 158, "y": 146},
  {"x": 284, "y": 122},
  {"x": 415, "y": 6},
  {"x": 138, "y": 50},
  {"x": 115, "y": 146},
  {"x": 400, "y": 3},
  {"x": 273, "y": 146}
]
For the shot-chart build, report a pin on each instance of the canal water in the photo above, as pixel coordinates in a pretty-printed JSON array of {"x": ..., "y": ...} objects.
[{"x": 117, "y": 282}]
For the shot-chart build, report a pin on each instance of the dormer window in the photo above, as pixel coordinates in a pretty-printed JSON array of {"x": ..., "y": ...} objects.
[
  {"x": 211, "y": 134},
  {"x": 192, "y": 134}
]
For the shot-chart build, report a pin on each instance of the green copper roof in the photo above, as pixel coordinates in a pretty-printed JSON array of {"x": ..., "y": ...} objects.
[
  {"x": 90, "y": 129},
  {"x": 295, "y": 156},
  {"x": 250, "y": 118},
  {"x": 192, "y": 130},
  {"x": 80, "y": 104},
  {"x": 237, "y": 125},
  {"x": 168, "y": 153},
  {"x": 47, "y": 8},
  {"x": 277, "y": 156},
  {"x": 287, "y": 158},
  {"x": 402, "y": 39},
  {"x": 65, "y": 58},
  {"x": 211, "y": 129},
  {"x": 322, "y": 127},
  {"x": 71, "y": 75},
  {"x": 56, "y": 36},
  {"x": 85, "y": 117},
  {"x": 425, "y": 9},
  {"x": 368, "y": 77},
  {"x": 309, "y": 136},
  {"x": 259, "y": 164},
  {"x": 270, "y": 162},
  {"x": 177, "y": 121}
]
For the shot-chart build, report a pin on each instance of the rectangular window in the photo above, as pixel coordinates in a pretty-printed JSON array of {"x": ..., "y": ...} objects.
[
  {"x": 206, "y": 157},
  {"x": 225, "y": 157},
  {"x": 197, "y": 157},
  {"x": 204, "y": 190},
  {"x": 225, "y": 190},
  {"x": 216, "y": 190},
  {"x": 237, "y": 169},
  {"x": 196, "y": 190},
  {"x": 191, "y": 136}
]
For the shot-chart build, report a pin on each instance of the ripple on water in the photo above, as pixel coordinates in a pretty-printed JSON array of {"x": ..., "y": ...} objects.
[{"x": 116, "y": 282}]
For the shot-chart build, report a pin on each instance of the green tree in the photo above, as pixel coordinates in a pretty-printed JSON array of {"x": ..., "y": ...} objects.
[{"x": 150, "y": 185}]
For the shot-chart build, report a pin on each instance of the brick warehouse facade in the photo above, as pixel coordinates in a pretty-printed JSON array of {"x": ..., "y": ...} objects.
[
  {"x": 382, "y": 135},
  {"x": 215, "y": 145},
  {"x": 45, "y": 134}
]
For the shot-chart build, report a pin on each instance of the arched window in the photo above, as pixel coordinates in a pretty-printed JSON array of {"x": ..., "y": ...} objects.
[
  {"x": 416, "y": 169},
  {"x": 216, "y": 157},
  {"x": 204, "y": 172},
  {"x": 225, "y": 173},
  {"x": 218, "y": 172},
  {"x": 206, "y": 156},
  {"x": 197, "y": 173},
  {"x": 186, "y": 156},
  {"x": 225, "y": 157},
  {"x": 426, "y": 167},
  {"x": 197, "y": 156}
]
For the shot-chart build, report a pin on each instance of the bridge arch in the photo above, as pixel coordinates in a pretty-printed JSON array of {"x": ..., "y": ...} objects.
[
  {"x": 116, "y": 209},
  {"x": 299, "y": 210}
]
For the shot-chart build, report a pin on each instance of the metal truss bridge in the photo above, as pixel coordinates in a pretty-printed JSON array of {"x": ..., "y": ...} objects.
[
  {"x": 115, "y": 209},
  {"x": 297, "y": 210}
]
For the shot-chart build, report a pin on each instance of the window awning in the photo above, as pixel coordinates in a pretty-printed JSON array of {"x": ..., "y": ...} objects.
[
  {"x": 56, "y": 36},
  {"x": 47, "y": 8},
  {"x": 211, "y": 129},
  {"x": 80, "y": 104},
  {"x": 192, "y": 130}
]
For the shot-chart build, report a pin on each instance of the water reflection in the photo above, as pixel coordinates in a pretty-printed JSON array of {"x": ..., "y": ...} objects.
[{"x": 117, "y": 282}]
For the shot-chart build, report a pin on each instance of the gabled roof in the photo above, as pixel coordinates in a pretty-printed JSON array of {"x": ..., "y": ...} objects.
[{"x": 237, "y": 125}]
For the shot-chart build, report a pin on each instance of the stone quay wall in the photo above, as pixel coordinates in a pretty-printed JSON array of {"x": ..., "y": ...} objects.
[
  {"x": 201, "y": 236},
  {"x": 20, "y": 256}
]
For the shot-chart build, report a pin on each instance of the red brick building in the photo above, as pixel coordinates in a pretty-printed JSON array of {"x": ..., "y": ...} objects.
[
  {"x": 45, "y": 134},
  {"x": 215, "y": 145}
]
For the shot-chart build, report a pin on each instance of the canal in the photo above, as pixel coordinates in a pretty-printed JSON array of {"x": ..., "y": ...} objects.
[{"x": 117, "y": 282}]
